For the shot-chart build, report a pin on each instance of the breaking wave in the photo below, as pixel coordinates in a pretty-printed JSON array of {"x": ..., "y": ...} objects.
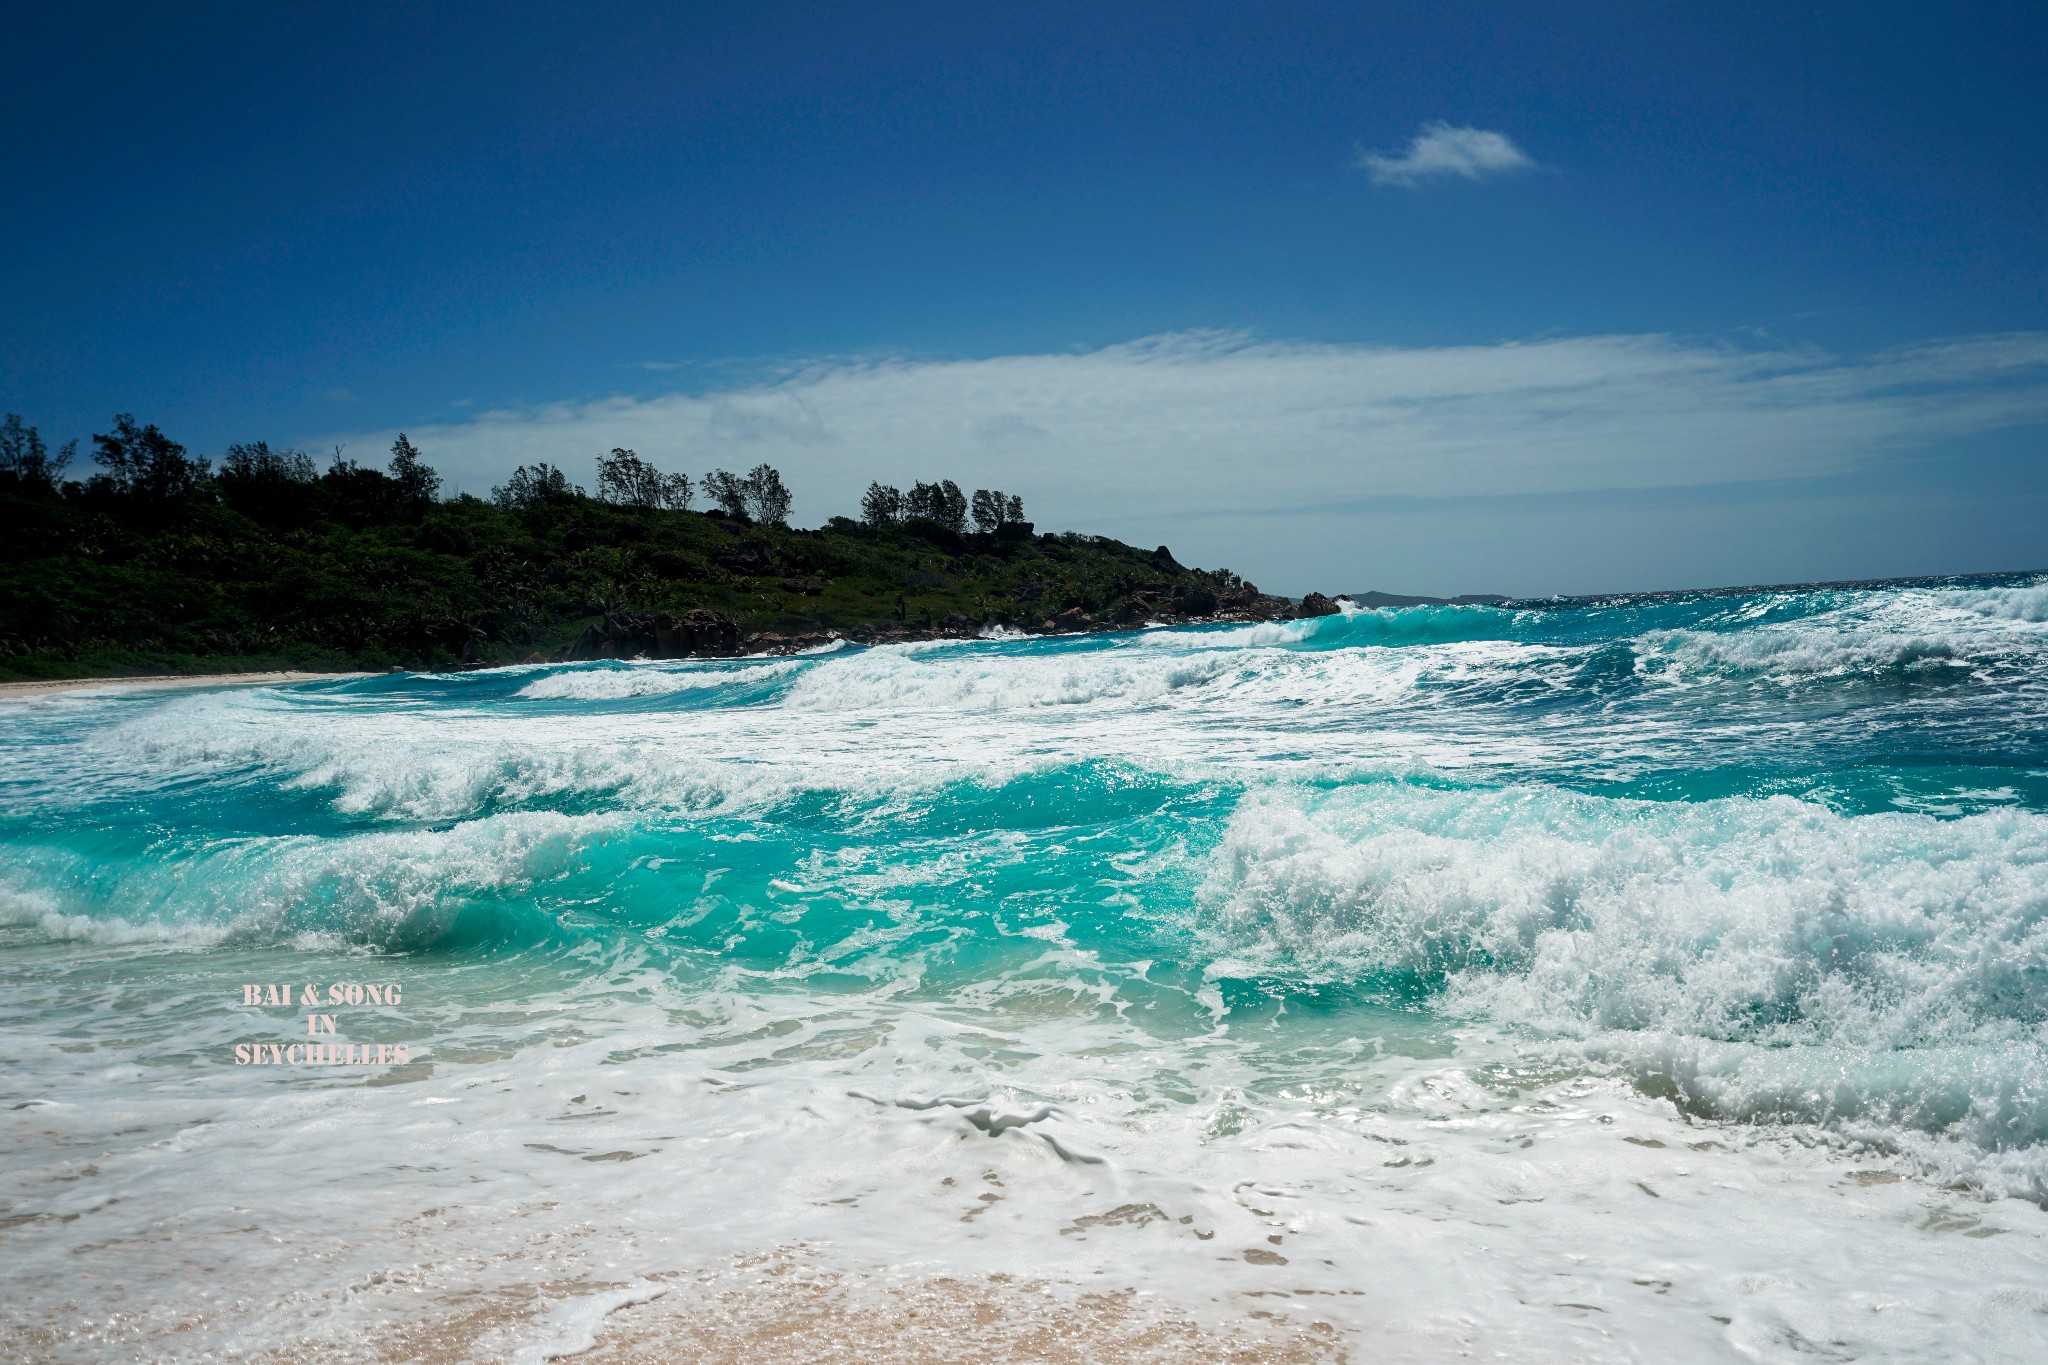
[
  {"x": 1782, "y": 857},
  {"x": 1758, "y": 959}
]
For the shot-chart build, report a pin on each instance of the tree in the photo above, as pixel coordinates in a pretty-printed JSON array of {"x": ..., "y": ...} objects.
[
  {"x": 768, "y": 497},
  {"x": 729, "y": 491},
  {"x": 627, "y": 480},
  {"x": 993, "y": 509},
  {"x": 942, "y": 502},
  {"x": 988, "y": 510},
  {"x": 417, "y": 482},
  {"x": 534, "y": 485},
  {"x": 881, "y": 505},
  {"x": 256, "y": 462},
  {"x": 23, "y": 454},
  {"x": 143, "y": 462}
]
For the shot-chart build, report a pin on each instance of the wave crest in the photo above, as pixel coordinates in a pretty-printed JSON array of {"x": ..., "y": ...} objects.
[{"x": 1742, "y": 950}]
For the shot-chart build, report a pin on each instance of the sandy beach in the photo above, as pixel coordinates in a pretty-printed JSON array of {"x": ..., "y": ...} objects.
[{"x": 12, "y": 691}]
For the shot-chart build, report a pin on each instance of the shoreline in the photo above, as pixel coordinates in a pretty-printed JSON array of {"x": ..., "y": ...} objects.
[
  {"x": 764, "y": 645},
  {"x": 43, "y": 687}
]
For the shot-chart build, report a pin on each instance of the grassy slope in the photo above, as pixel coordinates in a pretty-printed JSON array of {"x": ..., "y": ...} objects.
[{"x": 332, "y": 575}]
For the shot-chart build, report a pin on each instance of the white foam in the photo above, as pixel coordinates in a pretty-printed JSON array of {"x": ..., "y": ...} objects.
[
  {"x": 40, "y": 908},
  {"x": 1796, "y": 652},
  {"x": 1418, "y": 1203},
  {"x": 574, "y": 1325},
  {"x": 1746, "y": 926},
  {"x": 1868, "y": 632},
  {"x": 650, "y": 680},
  {"x": 890, "y": 681},
  {"x": 2026, "y": 604}
]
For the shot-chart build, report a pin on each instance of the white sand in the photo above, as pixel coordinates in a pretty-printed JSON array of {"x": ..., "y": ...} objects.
[{"x": 10, "y": 691}]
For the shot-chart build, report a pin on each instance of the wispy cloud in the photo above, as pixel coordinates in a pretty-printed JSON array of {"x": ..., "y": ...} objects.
[
  {"x": 1197, "y": 424},
  {"x": 1442, "y": 150}
]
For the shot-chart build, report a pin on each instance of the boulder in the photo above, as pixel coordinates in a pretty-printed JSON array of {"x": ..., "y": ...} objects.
[
  {"x": 1162, "y": 603},
  {"x": 1162, "y": 559},
  {"x": 1315, "y": 604},
  {"x": 712, "y": 633}
]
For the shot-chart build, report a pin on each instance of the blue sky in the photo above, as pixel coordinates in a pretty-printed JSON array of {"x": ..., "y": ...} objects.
[{"x": 1420, "y": 297}]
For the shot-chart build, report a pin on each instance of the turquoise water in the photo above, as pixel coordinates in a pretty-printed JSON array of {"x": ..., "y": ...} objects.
[{"x": 1450, "y": 914}]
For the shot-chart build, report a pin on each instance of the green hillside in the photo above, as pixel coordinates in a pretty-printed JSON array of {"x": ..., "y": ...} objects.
[{"x": 159, "y": 562}]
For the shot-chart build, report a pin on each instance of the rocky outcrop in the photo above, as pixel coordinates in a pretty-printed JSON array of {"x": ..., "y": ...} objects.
[
  {"x": 1197, "y": 602},
  {"x": 701, "y": 633},
  {"x": 1137, "y": 609},
  {"x": 794, "y": 642},
  {"x": 1315, "y": 604}
]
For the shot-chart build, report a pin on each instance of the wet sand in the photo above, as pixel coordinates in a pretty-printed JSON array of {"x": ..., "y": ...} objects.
[{"x": 782, "y": 1307}]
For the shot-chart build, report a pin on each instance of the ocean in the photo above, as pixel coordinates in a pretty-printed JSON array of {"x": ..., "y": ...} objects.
[{"x": 1655, "y": 977}]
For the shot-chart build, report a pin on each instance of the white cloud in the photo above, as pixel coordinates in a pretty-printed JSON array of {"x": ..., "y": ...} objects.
[
  {"x": 1150, "y": 434},
  {"x": 1440, "y": 150}
]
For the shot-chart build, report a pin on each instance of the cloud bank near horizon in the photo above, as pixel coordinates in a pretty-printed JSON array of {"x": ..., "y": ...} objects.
[{"x": 1191, "y": 424}]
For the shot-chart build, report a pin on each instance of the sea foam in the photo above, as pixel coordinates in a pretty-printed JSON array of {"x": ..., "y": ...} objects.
[{"x": 1538, "y": 981}]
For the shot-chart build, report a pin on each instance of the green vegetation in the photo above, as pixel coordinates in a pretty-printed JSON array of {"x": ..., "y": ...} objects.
[{"x": 161, "y": 563}]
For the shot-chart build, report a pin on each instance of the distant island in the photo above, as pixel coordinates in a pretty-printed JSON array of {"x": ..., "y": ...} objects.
[
  {"x": 160, "y": 562},
  {"x": 1370, "y": 600}
]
